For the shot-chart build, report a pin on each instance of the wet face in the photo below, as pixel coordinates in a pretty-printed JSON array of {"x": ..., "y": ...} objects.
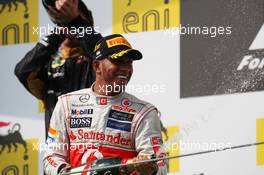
[{"x": 113, "y": 73}]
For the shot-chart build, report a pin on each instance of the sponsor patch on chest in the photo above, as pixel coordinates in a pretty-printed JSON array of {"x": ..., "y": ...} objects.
[
  {"x": 122, "y": 116},
  {"x": 80, "y": 112},
  {"x": 123, "y": 126},
  {"x": 80, "y": 122}
]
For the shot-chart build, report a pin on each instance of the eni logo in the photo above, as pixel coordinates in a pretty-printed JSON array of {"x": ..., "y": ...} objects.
[
  {"x": 18, "y": 155},
  {"x": 13, "y": 138},
  {"x": 141, "y": 16},
  {"x": 18, "y": 18},
  {"x": 9, "y": 3},
  {"x": 165, "y": 2}
]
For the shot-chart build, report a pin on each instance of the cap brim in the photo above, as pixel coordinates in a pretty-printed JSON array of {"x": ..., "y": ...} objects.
[{"x": 129, "y": 53}]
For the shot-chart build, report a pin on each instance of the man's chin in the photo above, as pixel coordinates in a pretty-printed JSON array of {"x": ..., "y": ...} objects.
[
  {"x": 119, "y": 86},
  {"x": 121, "y": 82}
]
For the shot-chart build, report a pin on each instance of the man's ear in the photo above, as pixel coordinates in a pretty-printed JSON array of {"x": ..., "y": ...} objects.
[{"x": 96, "y": 66}]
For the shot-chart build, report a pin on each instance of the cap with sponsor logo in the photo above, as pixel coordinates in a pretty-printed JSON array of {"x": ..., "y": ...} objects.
[{"x": 115, "y": 47}]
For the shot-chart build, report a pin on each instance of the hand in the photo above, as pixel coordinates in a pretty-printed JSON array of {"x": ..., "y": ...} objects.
[
  {"x": 142, "y": 168},
  {"x": 68, "y": 9},
  {"x": 64, "y": 12}
]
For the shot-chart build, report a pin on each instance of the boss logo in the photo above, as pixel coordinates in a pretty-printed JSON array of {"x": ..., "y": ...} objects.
[{"x": 80, "y": 122}]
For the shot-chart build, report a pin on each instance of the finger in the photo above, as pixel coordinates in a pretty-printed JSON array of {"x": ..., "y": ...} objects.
[
  {"x": 66, "y": 3},
  {"x": 75, "y": 2},
  {"x": 55, "y": 13},
  {"x": 62, "y": 10},
  {"x": 67, "y": 8},
  {"x": 58, "y": 5},
  {"x": 64, "y": 6},
  {"x": 62, "y": 3}
]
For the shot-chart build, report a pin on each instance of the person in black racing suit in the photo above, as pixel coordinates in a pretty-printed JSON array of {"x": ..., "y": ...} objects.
[{"x": 59, "y": 64}]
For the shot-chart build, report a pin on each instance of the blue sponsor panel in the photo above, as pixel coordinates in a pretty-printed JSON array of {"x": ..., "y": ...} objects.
[
  {"x": 122, "y": 116},
  {"x": 118, "y": 125}
]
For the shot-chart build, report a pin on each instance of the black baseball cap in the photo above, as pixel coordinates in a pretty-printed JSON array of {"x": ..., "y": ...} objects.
[{"x": 115, "y": 47}]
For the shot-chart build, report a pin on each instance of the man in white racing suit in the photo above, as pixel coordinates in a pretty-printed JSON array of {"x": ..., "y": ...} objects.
[{"x": 104, "y": 121}]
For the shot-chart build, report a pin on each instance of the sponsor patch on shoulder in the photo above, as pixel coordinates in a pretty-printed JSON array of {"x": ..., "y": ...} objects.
[
  {"x": 53, "y": 132},
  {"x": 52, "y": 135}
]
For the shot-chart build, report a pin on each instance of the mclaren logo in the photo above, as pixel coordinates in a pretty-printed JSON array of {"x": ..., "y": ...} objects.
[{"x": 255, "y": 58}]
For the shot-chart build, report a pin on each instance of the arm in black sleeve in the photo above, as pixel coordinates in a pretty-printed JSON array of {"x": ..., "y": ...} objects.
[
  {"x": 88, "y": 40},
  {"x": 27, "y": 70}
]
